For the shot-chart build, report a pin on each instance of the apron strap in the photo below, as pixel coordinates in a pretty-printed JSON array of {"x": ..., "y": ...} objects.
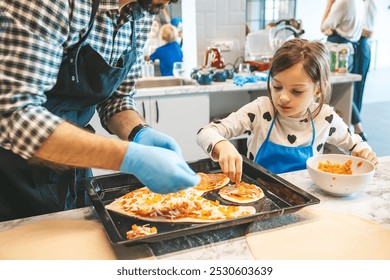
[
  {"x": 95, "y": 7},
  {"x": 312, "y": 127},
  {"x": 73, "y": 54}
]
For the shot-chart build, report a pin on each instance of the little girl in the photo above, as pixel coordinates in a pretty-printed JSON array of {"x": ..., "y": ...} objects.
[{"x": 291, "y": 124}]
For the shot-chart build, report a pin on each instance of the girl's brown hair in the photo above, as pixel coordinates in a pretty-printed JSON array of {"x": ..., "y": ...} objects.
[{"x": 315, "y": 59}]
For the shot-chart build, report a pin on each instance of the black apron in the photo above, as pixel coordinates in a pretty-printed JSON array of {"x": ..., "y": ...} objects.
[{"x": 84, "y": 80}]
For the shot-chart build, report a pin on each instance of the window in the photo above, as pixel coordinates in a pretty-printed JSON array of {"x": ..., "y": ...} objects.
[{"x": 261, "y": 12}]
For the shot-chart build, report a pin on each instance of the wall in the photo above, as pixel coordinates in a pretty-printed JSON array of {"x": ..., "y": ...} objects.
[{"x": 220, "y": 20}]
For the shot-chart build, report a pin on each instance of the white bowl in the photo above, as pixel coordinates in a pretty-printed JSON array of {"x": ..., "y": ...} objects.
[{"x": 341, "y": 184}]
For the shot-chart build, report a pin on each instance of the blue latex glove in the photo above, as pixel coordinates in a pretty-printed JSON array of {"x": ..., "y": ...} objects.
[
  {"x": 241, "y": 80},
  {"x": 161, "y": 170},
  {"x": 151, "y": 137}
]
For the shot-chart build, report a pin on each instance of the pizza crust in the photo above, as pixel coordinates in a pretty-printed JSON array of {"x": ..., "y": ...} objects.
[
  {"x": 209, "y": 182},
  {"x": 187, "y": 206},
  {"x": 240, "y": 212},
  {"x": 243, "y": 193}
]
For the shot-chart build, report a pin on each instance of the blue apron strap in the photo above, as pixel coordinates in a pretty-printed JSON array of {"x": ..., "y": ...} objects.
[
  {"x": 312, "y": 127},
  {"x": 270, "y": 128}
]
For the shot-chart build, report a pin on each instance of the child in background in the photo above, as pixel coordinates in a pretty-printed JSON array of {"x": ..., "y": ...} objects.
[
  {"x": 168, "y": 53},
  {"x": 291, "y": 124}
]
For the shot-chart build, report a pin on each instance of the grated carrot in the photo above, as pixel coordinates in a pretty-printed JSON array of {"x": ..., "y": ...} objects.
[{"x": 336, "y": 168}]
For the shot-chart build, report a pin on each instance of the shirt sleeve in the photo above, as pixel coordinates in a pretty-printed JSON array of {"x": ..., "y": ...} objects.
[
  {"x": 234, "y": 125},
  {"x": 341, "y": 136},
  {"x": 371, "y": 11},
  {"x": 30, "y": 56},
  {"x": 335, "y": 16},
  {"x": 123, "y": 97}
]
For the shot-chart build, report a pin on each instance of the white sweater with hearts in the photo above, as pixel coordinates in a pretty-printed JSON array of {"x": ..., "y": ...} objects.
[{"x": 255, "y": 118}]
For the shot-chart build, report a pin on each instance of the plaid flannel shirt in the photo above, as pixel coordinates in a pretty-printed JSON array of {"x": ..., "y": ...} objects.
[{"x": 33, "y": 38}]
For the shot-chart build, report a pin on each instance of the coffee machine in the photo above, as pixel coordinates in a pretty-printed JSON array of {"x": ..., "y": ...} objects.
[
  {"x": 261, "y": 45},
  {"x": 213, "y": 58}
]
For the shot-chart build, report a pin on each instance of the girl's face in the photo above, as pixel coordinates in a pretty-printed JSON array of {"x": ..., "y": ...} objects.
[{"x": 292, "y": 92}]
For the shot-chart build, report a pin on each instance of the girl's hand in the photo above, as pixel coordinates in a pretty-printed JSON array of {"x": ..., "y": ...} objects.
[
  {"x": 229, "y": 159},
  {"x": 367, "y": 154}
]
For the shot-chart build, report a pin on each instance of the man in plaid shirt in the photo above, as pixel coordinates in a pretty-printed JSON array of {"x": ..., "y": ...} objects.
[{"x": 59, "y": 61}]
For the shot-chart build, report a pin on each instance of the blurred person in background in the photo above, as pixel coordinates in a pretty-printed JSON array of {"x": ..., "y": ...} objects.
[
  {"x": 168, "y": 53},
  {"x": 178, "y": 23},
  {"x": 343, "y": 22},
  {"x": 154, "y": 38},
  {"x": 363, "y": 58}
]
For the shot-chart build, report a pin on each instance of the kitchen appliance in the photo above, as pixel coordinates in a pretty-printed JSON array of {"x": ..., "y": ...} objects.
[
  {"x": 204, "y": 77},
  {"x": 213, "y": 58},
  {"x": 281, "y": 197},
  {"x": 220, "y": 75},
  {"x": 261, "y": 45}
]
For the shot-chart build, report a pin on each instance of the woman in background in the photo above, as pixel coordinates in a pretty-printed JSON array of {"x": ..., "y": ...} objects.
[
  {"x": 343, "y": 22},
  {"x": 362, "y": 64}
]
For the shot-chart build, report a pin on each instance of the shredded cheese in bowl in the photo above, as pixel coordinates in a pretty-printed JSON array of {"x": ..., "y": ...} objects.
[{"x": 336, "y": 168}]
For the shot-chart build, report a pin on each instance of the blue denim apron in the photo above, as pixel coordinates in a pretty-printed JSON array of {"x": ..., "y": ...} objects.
[
  {"x": 280, "y": 159},
  {"x": 84, "y": 80}
]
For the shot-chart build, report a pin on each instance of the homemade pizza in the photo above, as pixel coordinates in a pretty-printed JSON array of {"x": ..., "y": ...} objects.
[
  {"x": 210, "y": 182},
  {"x": 140, "y": 231},
  {"x": 242, "y": 193},
  {"x": 184, "y": 206}
]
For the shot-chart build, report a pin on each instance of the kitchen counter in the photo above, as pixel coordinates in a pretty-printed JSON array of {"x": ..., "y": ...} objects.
[
  {"x": 230, "y": 243},
  {"x": 228, "y": 86}
]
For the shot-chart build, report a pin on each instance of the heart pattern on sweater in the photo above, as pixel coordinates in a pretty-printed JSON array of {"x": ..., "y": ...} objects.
[
  {"x": 267, "y": 116},
  {"x": 329, "y": 118},
  {"x": 332, "y": 130},
  {"x": 291, "y": 138},
  {"x": 251, "y": 116}
]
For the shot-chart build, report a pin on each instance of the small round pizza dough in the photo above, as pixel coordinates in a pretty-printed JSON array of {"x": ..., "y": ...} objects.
[
  {"x": 211, "y": 181},
  {"x": 243, "y": 193}
]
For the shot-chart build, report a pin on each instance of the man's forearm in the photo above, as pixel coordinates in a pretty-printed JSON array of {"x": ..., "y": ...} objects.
[
  {"x": 71, "y": 146},
  {"x": 122, "y": 123}
]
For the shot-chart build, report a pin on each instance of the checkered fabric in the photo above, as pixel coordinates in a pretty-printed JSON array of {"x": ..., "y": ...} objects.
[{"x": 34, "y": 35}]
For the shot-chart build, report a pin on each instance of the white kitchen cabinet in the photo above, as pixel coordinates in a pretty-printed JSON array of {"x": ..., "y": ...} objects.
[{"x": 179, "y": 116}]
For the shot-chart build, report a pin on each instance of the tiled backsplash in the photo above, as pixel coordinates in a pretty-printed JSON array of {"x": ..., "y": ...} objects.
[{"x": 219, "y": 21}]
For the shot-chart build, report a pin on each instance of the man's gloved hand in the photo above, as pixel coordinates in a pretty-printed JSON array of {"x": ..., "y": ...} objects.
[
  {"x": 161, "y": 170},
  {"x": 151, "y": 137}
]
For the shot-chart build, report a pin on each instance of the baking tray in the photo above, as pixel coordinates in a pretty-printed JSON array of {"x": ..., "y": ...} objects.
[{"x": 281, "y": 197}]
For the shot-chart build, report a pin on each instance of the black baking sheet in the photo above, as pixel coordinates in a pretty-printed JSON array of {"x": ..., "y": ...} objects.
[{"x": 281, "y": 197}]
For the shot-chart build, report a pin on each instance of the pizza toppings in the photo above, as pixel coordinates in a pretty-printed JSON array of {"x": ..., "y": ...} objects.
[
  {"x": 140, "y": 231},
  {"x": 242, "y": 193},
  {"x": 210, "y": 182},
  {"x": 184, "y": 206}
]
